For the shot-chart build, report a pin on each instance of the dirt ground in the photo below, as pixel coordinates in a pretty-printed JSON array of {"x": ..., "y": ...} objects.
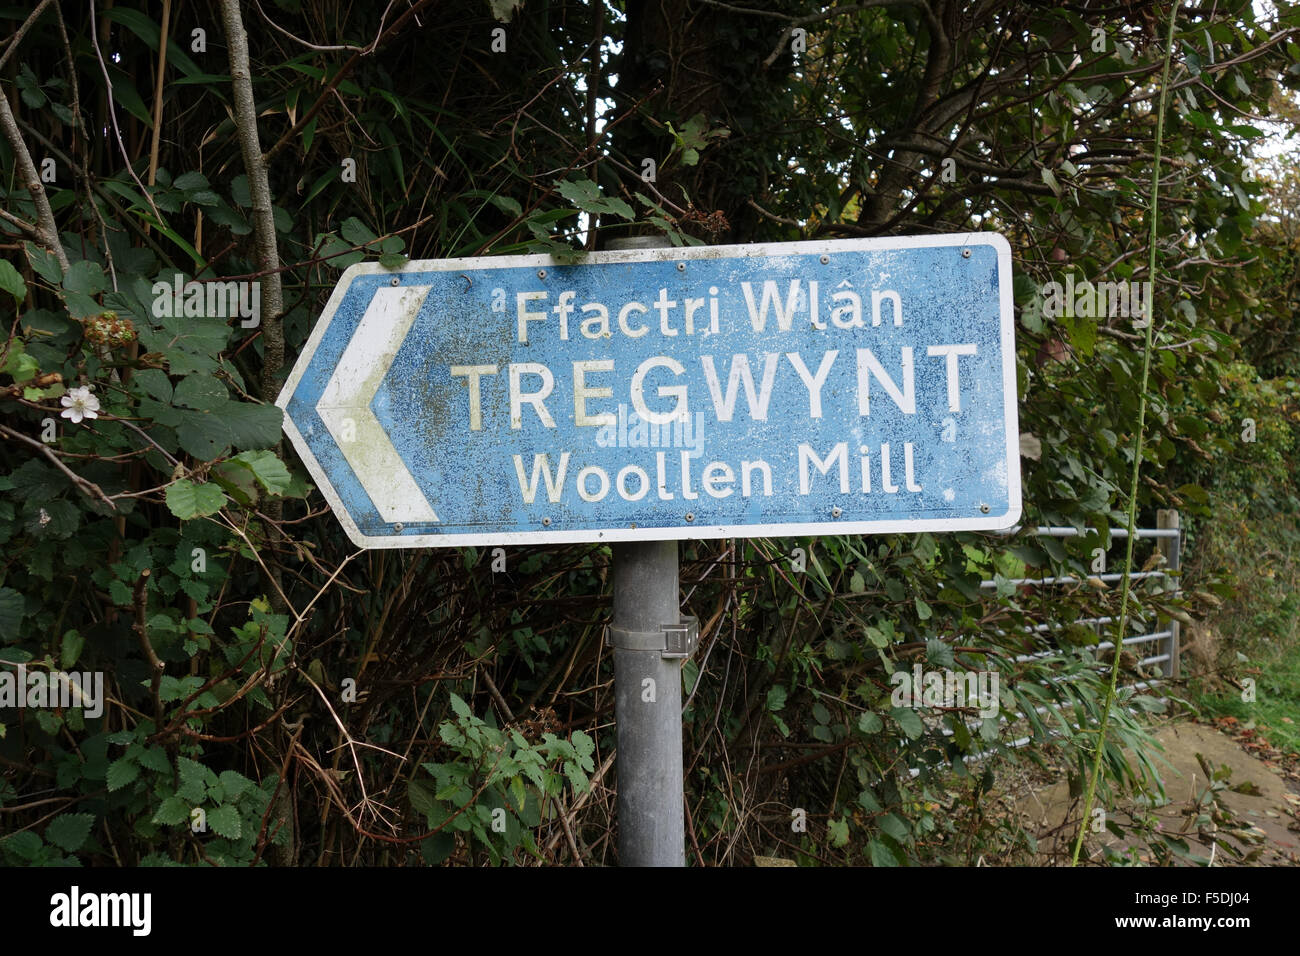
[{"x": 1263, "y": 803}]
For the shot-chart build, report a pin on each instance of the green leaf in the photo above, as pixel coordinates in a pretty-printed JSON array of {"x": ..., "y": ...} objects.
[
  {"x": 202, "y": 392},
  {"x": 12, "y": 609},
  {"x": 1079, "y": 635},
  {"x": 503, "y": 10},
  {"x": 252, "y": 426},
  {"x": 517, "y": 792},
  {"x": 191, "y": 181},
  {"x": 507, "y": 205},
  {"x": 154, "y": 383},
  {"x": 270, "y": 471},
  {"x": 121, "y": 772},
  {"x": 881, "y": 854},
  {"x": 908, "y": 720},
  {"x": 172, "y": 811},
  {"x": 69, "y": 830},
  {"x": 155, "y": 758},
  {"x": 237, "y": 479},
  {"x": 870, "y": 723},
  {"x": 177, "y": 688},
  {"x": 356, "y": 232},
  {"x": 1082, "y": 332},
  {"x": 19, "y": 364},
  {"x": 225, "y": 821},
  {"x": 585, "y": 194},
  {"x": 938, "y": 653},
  {"x": 147, "y": 30},
  {"x": 44, "y": 264},
  {"x": 776, "y": 698},
  {"x": 57, "y": 519},
  {"x": 11, "y": 281},
  {"x": 1050, "y": 179},
  {"x": 233, "y": 784},
  {"x": 895, "y": 827},
  {"x": 690, "y": 674},
  {"x": 125, "y": 94},
  {"x": 85, "y": 277},
  {"x": 421, "y": 800},
  {"x": 193, "y": 780},
  {"x": 30, "y": 86},
  {"x": 187, "y": 500},
  {"x": 25, "y": 845},
  {"x": 438, "y": 847},
  {"x": 70, "y": 649}
]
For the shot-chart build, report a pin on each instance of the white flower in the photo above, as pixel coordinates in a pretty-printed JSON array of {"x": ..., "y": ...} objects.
[{"x": 79, "y": 404}]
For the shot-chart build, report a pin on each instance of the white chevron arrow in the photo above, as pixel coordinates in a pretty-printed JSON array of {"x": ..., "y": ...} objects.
[{"x": 349, "y": 392}]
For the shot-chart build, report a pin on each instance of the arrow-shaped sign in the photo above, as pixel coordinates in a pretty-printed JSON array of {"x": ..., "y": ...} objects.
[
  {"x": 852, "y": 386},
  {"x": 344, "y": 405}
]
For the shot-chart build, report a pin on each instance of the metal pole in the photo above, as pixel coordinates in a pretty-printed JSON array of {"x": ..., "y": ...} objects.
[
  {"x": 648, "y": 708},
  {"x": 647, "y": 691}
]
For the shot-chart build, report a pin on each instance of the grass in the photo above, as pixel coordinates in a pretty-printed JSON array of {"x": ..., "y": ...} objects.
[
  {"x": 1259, "y": 627},
  {"x": 1276, "y": 708}
]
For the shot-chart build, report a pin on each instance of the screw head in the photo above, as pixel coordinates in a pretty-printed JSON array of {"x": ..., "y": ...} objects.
[
  {"x": 394, "y": 281},
  {"x": 965, "y": 253},
  {"x": 398, "y": 526},
  {"x": 546, "y": 522},
  {"x": 836, "y": 512},
  {"x": 681, "y": 267},
  {"x": 825, "y": 259},
  {"x": 985, "y": 509},
  {"x": 690, "y": 516},
  {"x": 541, "y": 273}
]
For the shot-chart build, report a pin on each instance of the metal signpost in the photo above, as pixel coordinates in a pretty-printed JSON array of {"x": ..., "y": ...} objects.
[{"x": 650, "y": 394}]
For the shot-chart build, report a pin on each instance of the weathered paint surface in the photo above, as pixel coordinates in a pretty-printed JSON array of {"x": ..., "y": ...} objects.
[{"x": 425, "y": 399}]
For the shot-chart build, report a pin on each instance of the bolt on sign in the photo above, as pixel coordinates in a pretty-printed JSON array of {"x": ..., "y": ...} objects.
[{"x": 839, "y": 387}]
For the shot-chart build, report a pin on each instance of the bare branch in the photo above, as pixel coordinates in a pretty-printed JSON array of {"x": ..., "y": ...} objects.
[
  {"x": 259, "y": 190},
  {"x": 89, "y": 487}
]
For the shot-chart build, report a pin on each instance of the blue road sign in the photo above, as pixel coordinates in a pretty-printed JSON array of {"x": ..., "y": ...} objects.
[{"x": 840, "y": 387}]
